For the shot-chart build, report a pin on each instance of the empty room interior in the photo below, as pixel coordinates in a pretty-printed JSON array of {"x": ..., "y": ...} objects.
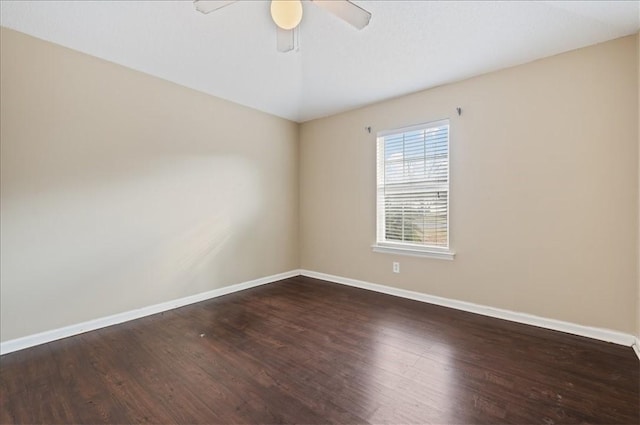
[{"x": 385, "y": 212}]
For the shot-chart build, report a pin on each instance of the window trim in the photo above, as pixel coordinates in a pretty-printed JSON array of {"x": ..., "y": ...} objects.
[
  {"x": 407, "y": 248},
  {"x": 413, "y": 250}
]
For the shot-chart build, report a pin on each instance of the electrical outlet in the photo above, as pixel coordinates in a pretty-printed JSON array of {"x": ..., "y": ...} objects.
[{"x": 396, "y": 267}]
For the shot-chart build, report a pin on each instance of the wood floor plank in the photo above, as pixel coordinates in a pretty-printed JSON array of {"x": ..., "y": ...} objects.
[{"x": 307, "y": 351}]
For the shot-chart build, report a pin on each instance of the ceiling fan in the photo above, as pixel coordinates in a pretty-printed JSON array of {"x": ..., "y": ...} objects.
[{"x": 287, "y": 15}]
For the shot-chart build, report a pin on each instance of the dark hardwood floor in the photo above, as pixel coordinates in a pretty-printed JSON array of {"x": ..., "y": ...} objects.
[{"x": 307, "y": 351}]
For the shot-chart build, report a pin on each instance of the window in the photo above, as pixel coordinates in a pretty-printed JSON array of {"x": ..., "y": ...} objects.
[{"x": 413, "y": 190}]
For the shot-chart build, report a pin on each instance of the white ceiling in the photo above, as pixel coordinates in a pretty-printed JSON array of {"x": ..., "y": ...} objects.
[{"x": 408, "y": 46}]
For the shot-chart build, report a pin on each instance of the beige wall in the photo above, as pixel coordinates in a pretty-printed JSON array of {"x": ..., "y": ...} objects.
[
  {"x": 544, "y": 189},
  {"x": 120, "y": 190},
  {"x": 638, "y": 103}
]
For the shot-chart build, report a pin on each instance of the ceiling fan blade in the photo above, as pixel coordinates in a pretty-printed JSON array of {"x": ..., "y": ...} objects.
[
  {"x": 206, "y": 6},
  {"x": 347, "y": 11},
  {"x": 287, "y": 39}
]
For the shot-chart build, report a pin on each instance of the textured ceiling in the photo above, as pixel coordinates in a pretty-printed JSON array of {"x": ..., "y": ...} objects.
[{"x": 408, "y": 46}]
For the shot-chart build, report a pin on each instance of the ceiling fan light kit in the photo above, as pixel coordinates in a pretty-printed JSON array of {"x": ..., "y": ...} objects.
[{"x": 287, "y": 15}]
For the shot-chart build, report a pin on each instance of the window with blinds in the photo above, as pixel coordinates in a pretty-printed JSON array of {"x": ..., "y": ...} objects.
[{"x": 413, "y": 187}]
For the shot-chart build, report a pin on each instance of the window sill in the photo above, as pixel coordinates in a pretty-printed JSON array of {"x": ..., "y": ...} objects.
[{"x": 441, "y": 254}]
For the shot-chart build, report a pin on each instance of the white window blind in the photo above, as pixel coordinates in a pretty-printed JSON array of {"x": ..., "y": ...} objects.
[{"x": 413, "y": 187}]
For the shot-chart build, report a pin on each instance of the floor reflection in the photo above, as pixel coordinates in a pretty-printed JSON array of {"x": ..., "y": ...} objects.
[{"x": 413, "y": 371}]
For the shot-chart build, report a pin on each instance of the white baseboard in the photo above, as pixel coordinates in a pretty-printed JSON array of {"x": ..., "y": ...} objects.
[
  {"x": 67, "y": 331},
  {"x": 636, "y": 347},
  {"x": 528, "y": 319},
  {"x": 572, "y": 328}
]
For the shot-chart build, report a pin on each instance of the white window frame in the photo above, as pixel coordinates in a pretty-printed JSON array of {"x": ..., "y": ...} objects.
[{"x": 405, "y": 248}]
